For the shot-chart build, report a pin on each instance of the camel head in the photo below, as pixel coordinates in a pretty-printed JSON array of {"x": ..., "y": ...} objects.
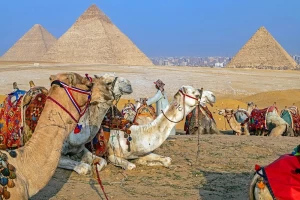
[
  {"x": 189, "y": 95},
  {"x": 207, "y": 97},
  {"x": 226, "y": 112},
  {"x": 110, "y": 87},
  {"x": 250, "y": 105},
  {"x": 71, "y": 79}
]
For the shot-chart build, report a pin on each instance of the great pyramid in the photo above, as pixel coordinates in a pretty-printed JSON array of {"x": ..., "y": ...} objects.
[
  {"x": 32, "y": 46},
  {"x": 264, "y": 52},
  {"x": 93, "y": 38}
]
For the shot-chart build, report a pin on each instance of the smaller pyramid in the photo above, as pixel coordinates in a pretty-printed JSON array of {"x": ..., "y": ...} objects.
[
  {"x": 32, "y": 46},
  {"x": 264, "y": 52}
]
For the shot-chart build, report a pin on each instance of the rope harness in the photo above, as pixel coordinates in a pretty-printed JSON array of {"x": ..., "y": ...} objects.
[{"x": 184, "y": 95}]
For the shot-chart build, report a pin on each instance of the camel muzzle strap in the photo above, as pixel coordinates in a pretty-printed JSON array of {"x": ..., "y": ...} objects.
[{"x": 68, "y": 90}]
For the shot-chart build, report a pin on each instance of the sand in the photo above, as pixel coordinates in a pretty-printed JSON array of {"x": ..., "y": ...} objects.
[{"x": 226, "y": 161}]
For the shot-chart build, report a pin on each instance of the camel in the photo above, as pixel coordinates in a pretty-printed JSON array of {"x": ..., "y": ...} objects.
[
  {"x": 141, "y": 140},
  {"x": 35, "y": 163},
  {"x": 206, "y": 124},
  {"x": 75, "y": 156},
  {"x": 274, "y": 124},
  {"x": 238, "y": 128}
]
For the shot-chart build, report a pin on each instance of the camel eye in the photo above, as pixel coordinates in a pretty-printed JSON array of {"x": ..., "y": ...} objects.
[{"x": 109, "y": 83}]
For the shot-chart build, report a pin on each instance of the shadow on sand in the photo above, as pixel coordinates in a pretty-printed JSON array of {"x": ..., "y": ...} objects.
[
  {"x": 58, "y": 180},
  {"x": 220, "y": 186}
]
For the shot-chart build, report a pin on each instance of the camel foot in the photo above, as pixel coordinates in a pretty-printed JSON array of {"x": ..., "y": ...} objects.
[
  {"x": 130, "y": 166},
  {"x": 83, "y": 169},
  {"x": 154, "y": 160}
]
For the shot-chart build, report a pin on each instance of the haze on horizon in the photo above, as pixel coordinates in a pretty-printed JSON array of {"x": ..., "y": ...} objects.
[{"x": 164, "y": 28}]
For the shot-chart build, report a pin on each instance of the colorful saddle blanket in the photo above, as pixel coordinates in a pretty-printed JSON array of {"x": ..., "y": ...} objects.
[
  {"x": 283, "y": 177},
  {"x": 257, "y": 119},
  {"x": 10, "y": 121},
  {"x": 292, "y": 117},
  {"x": 32, "y": 114},
  {"x": 112, "y": 120}
]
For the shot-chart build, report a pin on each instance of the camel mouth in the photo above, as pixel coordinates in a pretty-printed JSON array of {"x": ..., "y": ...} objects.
[{"x": 126, "y": 90}]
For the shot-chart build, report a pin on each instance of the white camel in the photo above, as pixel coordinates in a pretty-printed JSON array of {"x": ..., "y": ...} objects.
[
  {"x": 129, "y": 111},
  {"x": 144, "y": 139},
  {"x": 75, "y": 156}
]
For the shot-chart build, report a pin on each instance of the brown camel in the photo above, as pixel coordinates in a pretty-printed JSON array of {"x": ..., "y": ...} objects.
[
  {"x": 238, "y": 128},
  {"x": 35, "y": 163}
]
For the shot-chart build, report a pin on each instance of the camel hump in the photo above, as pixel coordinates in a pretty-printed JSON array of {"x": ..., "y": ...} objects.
[
  {"x": 31, "y": 83},
  {"x": 15, "y": 85}
]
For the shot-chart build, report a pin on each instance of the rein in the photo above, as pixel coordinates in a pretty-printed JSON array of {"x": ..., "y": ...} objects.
[
  {"x": 68, "y": 90},
  {"x": 184, "y": 95}
]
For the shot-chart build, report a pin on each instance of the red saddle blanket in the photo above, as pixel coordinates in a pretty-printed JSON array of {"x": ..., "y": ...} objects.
[
  {"x": 10, "y": 123},
  {"x": 257, "y": 119},
  {"x": 283, "y": 176}
]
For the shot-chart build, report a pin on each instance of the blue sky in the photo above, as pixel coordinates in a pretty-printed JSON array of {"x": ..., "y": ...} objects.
[{"x": 164, "y": 27}]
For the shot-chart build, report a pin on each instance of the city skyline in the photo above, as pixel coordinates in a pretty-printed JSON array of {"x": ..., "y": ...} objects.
[{"x": 168, "y": 28}]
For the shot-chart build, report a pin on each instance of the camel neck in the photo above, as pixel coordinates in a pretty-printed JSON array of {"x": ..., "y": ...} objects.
[
  {"x": 234, "y": 125},
  {"x": 163, "y": 124},
  {"x": 38, "y": 159},
  {"x": 91, "y": 121}
]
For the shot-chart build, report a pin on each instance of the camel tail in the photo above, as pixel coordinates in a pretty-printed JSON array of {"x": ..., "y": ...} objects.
[{"x": 252, "y": 186}]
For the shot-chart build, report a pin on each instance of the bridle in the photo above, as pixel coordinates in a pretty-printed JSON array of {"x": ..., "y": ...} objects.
[
  {"x": 184, "y": 95},
  {"x": 112, "y": 89},
  {"x": 68, "y": 90}
]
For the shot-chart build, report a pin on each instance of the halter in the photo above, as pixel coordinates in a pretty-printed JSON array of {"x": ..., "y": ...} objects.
[
  {"x": 184, "y": 95},
  {"x": 68, "y": 90}
]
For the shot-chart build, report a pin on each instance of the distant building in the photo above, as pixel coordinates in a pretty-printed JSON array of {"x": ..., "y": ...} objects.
[
  {"x": 166, "y": 62},
  {"x": 219, "y": 64}
]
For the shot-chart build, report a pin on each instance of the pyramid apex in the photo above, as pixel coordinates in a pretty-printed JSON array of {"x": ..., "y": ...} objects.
[{"x": 93, "y": 12}]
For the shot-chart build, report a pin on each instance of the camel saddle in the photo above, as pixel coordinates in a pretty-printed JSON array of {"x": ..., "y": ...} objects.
[
  {"x": 257, "y": 119},
  {"x": 145, "y": 111},
  {"x": 113, "y": 120},
  {"x": 292, "y": 117},
  {"x": 10, "y": 120},
  {"x": 283, "y": 177}
]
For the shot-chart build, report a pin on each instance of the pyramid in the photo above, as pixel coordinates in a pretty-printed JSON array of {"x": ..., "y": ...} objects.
[
  {"x": 264, "y": 52},
  {"x": 32, "y": 46},
  {"x": 93, "y": 38}
]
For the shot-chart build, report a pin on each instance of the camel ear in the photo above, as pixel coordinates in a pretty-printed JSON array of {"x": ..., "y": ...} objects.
[
  {"x": 184, "y": 90},
  {"x": 87, "y": 82},
  {"x": 72, "y": 79},
  {"x": 96, "y": 76},
  {"x": 52, "y": 78}
]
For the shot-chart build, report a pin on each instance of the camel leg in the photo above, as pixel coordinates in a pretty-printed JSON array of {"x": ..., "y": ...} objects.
[
  {"x": 88, "y": 157},
  {"x": 278, "y": 131},
  {"x": 79, "y": 167},
  {"x": 152, "y": 159},
  {"x": 121, "y": 162}
]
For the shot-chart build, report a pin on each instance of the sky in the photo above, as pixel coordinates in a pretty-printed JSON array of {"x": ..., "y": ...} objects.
[{"x": 164, "y": 27}]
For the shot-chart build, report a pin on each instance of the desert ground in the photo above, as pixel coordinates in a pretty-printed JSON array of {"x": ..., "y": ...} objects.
[{"x": 226, "y": 162}]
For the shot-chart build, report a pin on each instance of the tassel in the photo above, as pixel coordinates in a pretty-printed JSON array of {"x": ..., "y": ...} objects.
[
  {"x": 77, "y": 129},
  {"x": 257, "y": 167}
]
